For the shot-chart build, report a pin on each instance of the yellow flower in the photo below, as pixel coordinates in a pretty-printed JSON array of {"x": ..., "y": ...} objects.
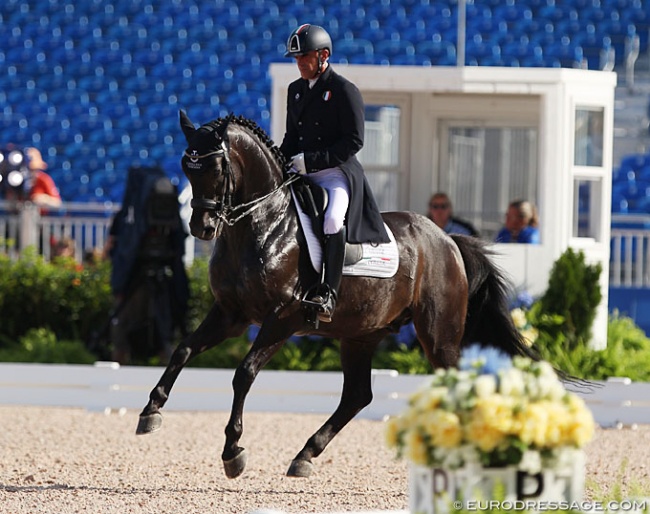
[
  {"x": 491, "y": 421},
  {"x": 391, "y": 432},
  {"x": 416, "y": 447},
  {"x": 443, "y": 428},
  {"x": 580, "y": 426},
  {"x": 541, "y": 423}
]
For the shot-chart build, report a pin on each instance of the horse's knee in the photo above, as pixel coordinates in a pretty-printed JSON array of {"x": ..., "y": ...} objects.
[{"x": 181, "y": 355}]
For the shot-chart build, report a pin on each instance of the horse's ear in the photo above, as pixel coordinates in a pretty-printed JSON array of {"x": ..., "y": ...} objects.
[
  {"x": 186, "y": 125},
  {"x": 221, "y": 130}
]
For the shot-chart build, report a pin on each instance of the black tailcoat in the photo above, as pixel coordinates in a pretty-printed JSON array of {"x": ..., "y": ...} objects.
[{"x": 326, "y": 123}]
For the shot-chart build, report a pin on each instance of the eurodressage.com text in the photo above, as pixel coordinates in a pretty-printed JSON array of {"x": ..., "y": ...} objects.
[{"x": 540, "y": 505}]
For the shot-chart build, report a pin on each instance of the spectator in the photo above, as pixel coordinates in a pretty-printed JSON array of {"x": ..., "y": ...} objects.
[
  {"x": 42, "y": 190},
  {"x": 521, "y": 224},
  {"x": 441, "y": 213},
  {"x": 64, "y": 247}
]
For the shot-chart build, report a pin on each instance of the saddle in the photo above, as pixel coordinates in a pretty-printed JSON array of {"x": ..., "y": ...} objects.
[{"x": 312, "y": 199}]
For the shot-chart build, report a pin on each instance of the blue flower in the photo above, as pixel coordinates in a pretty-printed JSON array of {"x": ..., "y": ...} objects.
[
  {"x": 485, "y": 361},
  {"x": 524, "y": 300},
  {"x": 407, "y": 335}
]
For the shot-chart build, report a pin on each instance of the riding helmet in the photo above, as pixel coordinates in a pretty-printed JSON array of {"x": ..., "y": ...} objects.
[{"x": 308, "y": 38}]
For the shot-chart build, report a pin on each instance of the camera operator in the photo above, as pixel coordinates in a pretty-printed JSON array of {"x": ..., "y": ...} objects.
[{"x": 148, "y": 278}]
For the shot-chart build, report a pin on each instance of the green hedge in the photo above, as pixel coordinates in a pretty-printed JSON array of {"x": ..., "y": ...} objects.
[{"x": 50, "y": 312}]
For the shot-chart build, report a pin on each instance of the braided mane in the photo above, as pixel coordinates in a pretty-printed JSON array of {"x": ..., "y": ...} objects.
[{"x": 257, "y": 131}]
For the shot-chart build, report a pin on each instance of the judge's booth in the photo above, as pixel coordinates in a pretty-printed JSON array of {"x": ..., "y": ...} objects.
[{"x": 487, "y": 136}]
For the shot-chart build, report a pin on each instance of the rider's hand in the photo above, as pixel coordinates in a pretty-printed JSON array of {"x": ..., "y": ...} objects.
[{"x": 298, "y": 164}]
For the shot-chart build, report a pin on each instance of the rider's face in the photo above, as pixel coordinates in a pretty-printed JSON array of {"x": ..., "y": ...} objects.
[{"x": 308, "y": 64}]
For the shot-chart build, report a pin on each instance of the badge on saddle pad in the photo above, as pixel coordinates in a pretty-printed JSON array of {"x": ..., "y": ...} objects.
[{"x": 378, "y": 261}]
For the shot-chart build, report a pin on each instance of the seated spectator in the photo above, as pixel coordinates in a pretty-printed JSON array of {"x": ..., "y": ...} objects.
[
  {"x": 441, "y": 213},
  {"x": 521, "y": 224}
]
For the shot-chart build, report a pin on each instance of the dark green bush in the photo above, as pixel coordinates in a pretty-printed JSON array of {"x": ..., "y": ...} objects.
[
  {"x": 41, "y": 345},
  {"x": 63, "y": 297},
  {"x": 573, "y": 294}
]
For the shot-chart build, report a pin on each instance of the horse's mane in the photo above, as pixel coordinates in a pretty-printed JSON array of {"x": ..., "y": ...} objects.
[{"x": 258, "y": 131}]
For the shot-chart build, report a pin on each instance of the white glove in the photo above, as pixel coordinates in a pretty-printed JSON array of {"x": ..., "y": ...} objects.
[{"x": 298, "y": 164}]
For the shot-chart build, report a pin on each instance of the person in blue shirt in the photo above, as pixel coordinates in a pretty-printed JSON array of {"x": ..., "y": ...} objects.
[
  {"x": 521, "y": 224},
  {"x": 441, "y": 213}
]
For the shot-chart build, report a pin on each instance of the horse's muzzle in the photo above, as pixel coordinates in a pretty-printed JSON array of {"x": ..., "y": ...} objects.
[{"x": 203, "y": 225}]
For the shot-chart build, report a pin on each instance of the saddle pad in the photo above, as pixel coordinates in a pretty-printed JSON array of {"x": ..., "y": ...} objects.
[{"x": 378, "y": 261}]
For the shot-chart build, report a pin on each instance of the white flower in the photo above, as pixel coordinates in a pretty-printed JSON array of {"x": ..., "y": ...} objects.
[
  {"x": 519, "y": 317},
  {"x": 485, "y": 385},
  {"x": 531, "y": 462},
  {"x": 511, "y": 382}
]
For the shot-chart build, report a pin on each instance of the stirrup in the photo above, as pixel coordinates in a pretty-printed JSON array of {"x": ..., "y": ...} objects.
[{"x": 323, "y": 302}]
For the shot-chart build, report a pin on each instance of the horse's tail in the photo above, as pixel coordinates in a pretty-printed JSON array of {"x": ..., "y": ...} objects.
[{"x": 489, "y": 321}]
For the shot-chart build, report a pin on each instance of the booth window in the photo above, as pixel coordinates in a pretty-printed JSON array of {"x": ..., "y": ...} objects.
[
  {"x": 588, "y": 150},
  {"x": 380, "y": 154},
  {"x": 587, "y": 207}
]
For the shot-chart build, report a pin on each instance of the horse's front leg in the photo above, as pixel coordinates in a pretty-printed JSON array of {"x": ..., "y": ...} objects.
[
  {"x": 215, "y": 328},
  {"x": 356, "y": 361},
  {"x": 273, "y": 333}
]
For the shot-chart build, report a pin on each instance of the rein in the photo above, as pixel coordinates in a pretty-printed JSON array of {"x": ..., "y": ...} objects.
[
  {"x": 222, "y": 206},
  {"x": 226, "y": 214}
]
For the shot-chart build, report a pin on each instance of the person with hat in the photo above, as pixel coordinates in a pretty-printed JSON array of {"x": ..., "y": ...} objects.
[{"x": 324, "y": 131}]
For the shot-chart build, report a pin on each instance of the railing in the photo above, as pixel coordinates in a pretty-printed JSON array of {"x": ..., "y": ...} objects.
[
  {"x": 630, "y": 251},
  {"x": 23, "y": 225}
]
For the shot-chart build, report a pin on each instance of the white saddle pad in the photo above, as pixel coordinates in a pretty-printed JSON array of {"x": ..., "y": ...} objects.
[{"x": 378, "y": 261}]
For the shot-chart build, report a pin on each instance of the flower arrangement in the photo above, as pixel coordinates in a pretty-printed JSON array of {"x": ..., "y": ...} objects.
[{"x": 493, "y": 411}]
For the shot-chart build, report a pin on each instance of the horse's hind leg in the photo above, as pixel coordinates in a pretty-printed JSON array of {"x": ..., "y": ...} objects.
[
  {"x": 440, "y": 323},
  {"x": 356, "y": 361},
  {"x": 216, "y": 327}
]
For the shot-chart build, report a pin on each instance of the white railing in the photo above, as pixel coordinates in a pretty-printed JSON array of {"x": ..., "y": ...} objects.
[
  {"x": 23, "y": 225},
  {"x": 630, "y": 251}
]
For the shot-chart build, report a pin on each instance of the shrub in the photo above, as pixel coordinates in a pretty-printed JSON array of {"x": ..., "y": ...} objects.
[
  {"x": 41, "y": 345},
  {"x": 573, "y": 294},
  {"x": 65, "y": 298}
]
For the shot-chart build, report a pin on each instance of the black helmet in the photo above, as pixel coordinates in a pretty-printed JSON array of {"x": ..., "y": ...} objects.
[{"x": 308, "y": 38}]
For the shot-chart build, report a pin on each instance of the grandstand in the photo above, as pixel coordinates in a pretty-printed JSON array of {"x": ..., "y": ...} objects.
[{"x": 97, "y": 85}]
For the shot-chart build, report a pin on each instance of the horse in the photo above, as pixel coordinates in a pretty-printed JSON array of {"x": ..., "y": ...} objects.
[{"x": 259, "y": 271}]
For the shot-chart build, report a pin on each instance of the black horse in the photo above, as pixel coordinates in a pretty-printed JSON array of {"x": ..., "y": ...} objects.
[{"x": 259, "y": 272}]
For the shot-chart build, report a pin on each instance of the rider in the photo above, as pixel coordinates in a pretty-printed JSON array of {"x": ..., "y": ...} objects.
[{"x": 325, "y": 128}]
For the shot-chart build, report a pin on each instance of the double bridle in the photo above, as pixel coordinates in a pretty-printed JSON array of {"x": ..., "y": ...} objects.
[{"x": 221, "y": 206}]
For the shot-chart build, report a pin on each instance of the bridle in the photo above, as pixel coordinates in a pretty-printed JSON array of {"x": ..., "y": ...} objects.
[{"x": 221, "y": 206}]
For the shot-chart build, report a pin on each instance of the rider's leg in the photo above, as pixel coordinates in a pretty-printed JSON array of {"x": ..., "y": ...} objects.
[
  {"x": 333, "y": 252},
  {"x": 338, "y": 189}
]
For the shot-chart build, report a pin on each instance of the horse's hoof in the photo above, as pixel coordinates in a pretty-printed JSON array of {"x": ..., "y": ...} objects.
[
  {"x": 149, "y": 423},
  {"x": 235, "y": 466},
  {"x": 300, "y": 468}
]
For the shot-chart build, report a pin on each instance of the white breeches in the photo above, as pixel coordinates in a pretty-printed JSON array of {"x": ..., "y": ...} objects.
[{"x": 338, "y": 190}]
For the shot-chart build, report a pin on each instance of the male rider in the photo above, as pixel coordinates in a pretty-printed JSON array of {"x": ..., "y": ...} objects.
[{"x": 324, "y": 131}]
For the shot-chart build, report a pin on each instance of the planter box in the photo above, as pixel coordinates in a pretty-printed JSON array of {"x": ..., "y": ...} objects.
[{"x": 438, "y": 491}]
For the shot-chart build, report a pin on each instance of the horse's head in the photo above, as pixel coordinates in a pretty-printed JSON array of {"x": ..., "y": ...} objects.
[{"x": 206, "y": 163}]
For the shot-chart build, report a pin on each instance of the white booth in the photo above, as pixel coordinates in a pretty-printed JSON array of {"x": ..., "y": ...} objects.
[{"x": 487, "y": 136}]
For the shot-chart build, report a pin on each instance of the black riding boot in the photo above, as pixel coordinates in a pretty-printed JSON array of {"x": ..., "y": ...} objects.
[{"x": 333, "y": 256}]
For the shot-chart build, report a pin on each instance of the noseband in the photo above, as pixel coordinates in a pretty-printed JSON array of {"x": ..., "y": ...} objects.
[{"x": 221, "y": 207}]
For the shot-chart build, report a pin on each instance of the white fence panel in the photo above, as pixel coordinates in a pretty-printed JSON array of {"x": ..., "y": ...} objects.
[{"x": 107, "y": 386}]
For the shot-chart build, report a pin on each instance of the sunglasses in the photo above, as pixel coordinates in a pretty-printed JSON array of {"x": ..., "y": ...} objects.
[{"x": 438, "y": 206}]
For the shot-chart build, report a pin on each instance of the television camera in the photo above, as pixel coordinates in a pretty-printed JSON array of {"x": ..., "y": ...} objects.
[{"x": 14, "y": 173}]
